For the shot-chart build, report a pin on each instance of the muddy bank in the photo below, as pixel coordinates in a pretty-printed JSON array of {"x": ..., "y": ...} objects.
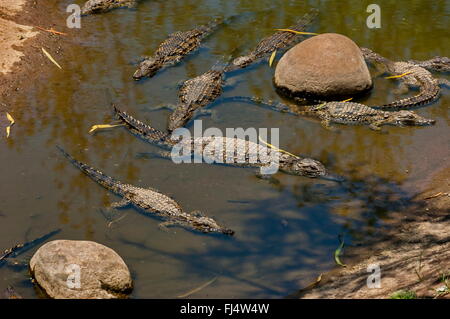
[
  {"x": 21, "y": 59},
  {"x": 12, "y": 36},
  {"x": 413, "y": 254}
]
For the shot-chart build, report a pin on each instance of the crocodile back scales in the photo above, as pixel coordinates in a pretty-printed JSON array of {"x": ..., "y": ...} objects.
[{"x": 281, "y": 39}]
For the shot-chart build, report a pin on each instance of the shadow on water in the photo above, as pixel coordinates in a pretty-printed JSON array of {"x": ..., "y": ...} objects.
[{"x": 281, "y": 244}]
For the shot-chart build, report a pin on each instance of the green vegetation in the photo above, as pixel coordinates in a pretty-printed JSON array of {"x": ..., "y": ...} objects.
[{"x": 404, "y": 294}]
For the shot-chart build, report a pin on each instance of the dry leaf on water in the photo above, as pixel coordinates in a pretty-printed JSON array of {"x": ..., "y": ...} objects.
[
  {"x": 272, "y": 57},
  {"x": 51, "y": 58},
  {"x": 338, "y": 252},
  {"x": 198, "y": 289},
  {"x": 11, "y": 123},
  {"x": 102, "y": 127},
  {"x": 297, "y": 32},
  {"x": 397, "y": 76}
]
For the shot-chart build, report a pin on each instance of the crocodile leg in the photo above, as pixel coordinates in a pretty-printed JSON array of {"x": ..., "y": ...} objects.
[
  {"x": 326, "y": 123},
  {"x": 138, "y": 60},
  {"x": 109, "y": 214},
  {"x": 132, "y": 4},
  {"x": 164, "y": 226},
  {"x": 268, "y": 177},
  {"x": 402, "y": 88},
  {"x": 212, "y": 113},
  {"x": 376, "y": 126},
  {"x": 120, "y": 204}
]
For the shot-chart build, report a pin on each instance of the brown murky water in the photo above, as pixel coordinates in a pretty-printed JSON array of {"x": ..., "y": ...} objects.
[{"x": 286, "y": 232}]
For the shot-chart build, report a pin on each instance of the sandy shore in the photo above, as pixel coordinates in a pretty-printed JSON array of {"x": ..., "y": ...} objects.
[
  {"x": 12, "y": 35},
  {"x": 22, "y": 61},
  {"x": 413, "y": 254}
]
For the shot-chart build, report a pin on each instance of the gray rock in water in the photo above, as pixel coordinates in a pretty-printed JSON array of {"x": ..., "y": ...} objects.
[
  {"x": 69, "y": 269},
  {"x": 327, "y": 66}
]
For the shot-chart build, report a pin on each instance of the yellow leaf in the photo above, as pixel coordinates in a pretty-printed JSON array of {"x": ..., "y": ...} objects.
[
  {"x": 297, "y": 32},
  {"x": 272, "y": 57},
  {"x": 348, "y": 100},
  {"x": 102, "y": 127},
  {"x": 276, "y": 148},
  {"x": 11, "y": 121},
  {"x": 337, "y": 253},
  {"x": 10, "y": 118},
  {"x": 51, "y": 58},
  {"x": 397, "y": 76}
]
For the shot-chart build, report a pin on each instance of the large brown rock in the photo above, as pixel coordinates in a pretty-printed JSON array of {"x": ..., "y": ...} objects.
[
  {"x": 69, "y": 269},
  {"x": 327, "y": 66}
]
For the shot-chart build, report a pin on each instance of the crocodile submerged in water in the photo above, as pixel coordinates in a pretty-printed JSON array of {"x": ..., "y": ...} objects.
[
  {"x": 194, "y": 94},
  {"x": 229, "y": 151},
  {"x": 174, "y": 48},
  {"x": 412, "y": 74},
  {"x": 348, "y": 113},
  {"x": 278, "y": 40},
  {"x": 151, "y": 201},
  {"x": 20, "y": 248},
  {"x": 101, "y": 6}
]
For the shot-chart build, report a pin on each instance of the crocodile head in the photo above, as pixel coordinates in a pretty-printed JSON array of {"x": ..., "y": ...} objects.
[
  {"x": 208, "y": 225},
  {"x": 303, "y": 167},
  {"x": 371, "y": 56},
  {"x": 241, "y": 62},
  {"x": 440, "y": 64},
  {"x": 409, "y": 118},
  {"x": 148, "y": 67}
]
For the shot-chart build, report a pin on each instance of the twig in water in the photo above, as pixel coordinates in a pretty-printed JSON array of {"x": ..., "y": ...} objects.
[{"x": 198, "y": 289}]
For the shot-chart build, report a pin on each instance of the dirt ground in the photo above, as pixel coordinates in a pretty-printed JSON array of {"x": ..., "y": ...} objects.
[
  {"x": 21, "y": 41},
  {"x": 413, "y": 254}
]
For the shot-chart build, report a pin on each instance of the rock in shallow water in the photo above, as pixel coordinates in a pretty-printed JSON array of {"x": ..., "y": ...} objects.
[
  {"x": 69, "y": 269},
  {"x": 327, "y": 66}
]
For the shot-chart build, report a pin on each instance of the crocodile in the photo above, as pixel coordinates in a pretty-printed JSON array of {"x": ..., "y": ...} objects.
[
  {"x": 412, "y": 75},
  {"x": 278, "y": 40},
  {"x": 174, "y": 48},
  {"x": 101, "y": 6},
  {"x": 151, "y": 201},
  {"x": 20, "y": 248},
  {"x": 349, "y": 113},
  {"x": 194, "y": 94},
  {"x": 241, "y": 153}
]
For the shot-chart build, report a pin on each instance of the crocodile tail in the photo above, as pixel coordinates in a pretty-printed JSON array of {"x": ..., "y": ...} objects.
[
  {"x": 104, "y": 180},
  {"x": 143, "y": 130},
  {"x": 305, "y": 20},
  {"x": 211, "y": 26},
  {"x": 424, "y": 97},
  {"x": 272, "y": 105}
]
